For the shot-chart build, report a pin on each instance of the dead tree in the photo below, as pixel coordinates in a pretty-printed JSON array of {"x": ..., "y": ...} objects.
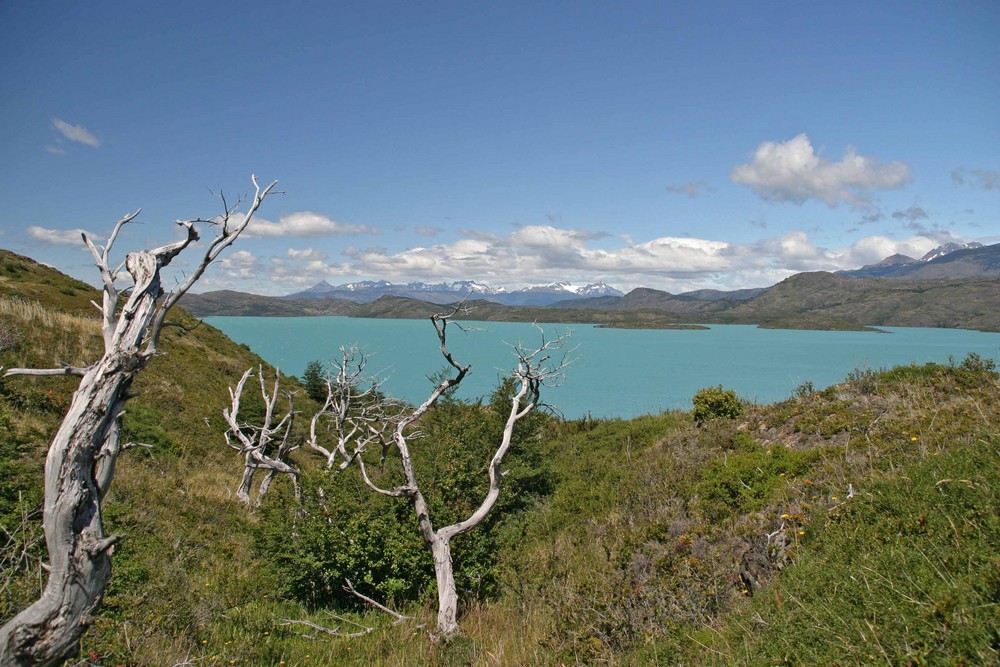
[
  {"x": 535, "y": 368},
  {"x": 81, "y": 459},
  {"x": 355, "y": 411},
  {"x": 256, "y": 443}
]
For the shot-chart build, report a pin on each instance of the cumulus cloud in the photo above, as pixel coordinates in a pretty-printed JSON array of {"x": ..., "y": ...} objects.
[
  {"x": 303, "y": 224},
  {"x": 543, "y": 254},
  {"x": 240, "y": 265},
  {"x": 77, "y": 133},
  {"x": 792, "y": 171},
  {"x": 424, "y": 230},
  {"x": 873, "y": 249},
  {"x": 692, "y": 189},
  {"x": 987, "y": 179},
  {"x": 59, "y": 236},
  {"x": 306, "y": 254}
]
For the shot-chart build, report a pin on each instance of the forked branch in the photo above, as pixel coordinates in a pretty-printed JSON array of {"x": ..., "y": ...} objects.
[{"x": 256, "y": 442}]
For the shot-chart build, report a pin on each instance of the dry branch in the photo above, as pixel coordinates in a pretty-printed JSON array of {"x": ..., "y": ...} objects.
[
  {"x": 81, "y": 459},
  {"x": 256, "y": 443}
]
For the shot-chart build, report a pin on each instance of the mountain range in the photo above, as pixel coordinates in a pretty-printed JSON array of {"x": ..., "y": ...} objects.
[
  {"x": 952, "y": 286},
  {"x": 372, "y": 290},
  {"x": 950, "y": 260}
]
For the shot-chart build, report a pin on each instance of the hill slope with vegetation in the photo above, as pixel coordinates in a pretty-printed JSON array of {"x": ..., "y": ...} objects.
[
  {"x": 816, "y": 300},
  {"x": 857, "y": 524}
]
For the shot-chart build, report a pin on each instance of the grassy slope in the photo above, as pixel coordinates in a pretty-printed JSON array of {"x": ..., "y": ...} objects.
[{"x": 634, "y": 558}]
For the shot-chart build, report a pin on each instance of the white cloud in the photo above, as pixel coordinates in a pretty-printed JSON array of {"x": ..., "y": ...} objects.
[
  {"x": 306, "y": 254},
  {"x": 544, "y": 254},
  {"x": 792, "y": 171},
  {"x": 54, "y": 150},
  {"x": 240, "y": 265},
  {"x": 305, "y": 223},
  {"x": 874, "y": 249},
  {"x": 77, "y": 133},
  {"x": 424, "y": 230},
  {"x": 59, "y": 236}
]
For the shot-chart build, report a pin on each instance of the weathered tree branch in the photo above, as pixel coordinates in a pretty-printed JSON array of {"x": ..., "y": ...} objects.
[
  {"x": 81, "y": 460},
  {"x": 65, "y": 369},
  {"x": 395, "y": 614},
  {"x": 255, "y": 442},
  {"x": 335, "y": 632}
]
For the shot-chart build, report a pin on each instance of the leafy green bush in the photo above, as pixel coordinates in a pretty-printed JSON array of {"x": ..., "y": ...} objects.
[
  {"x": 716, "y": 402},
  {"x": 346, "y": 531}
]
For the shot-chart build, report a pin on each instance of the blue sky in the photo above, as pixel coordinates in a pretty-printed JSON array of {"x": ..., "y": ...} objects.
[{"x": 670, "y": 145}]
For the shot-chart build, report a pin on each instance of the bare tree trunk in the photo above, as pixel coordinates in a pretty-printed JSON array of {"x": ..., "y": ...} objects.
[
  {"x": 444, "y": 573},
  {"x": 80, "y": 564},
  {"x": 81, "y": 459}
]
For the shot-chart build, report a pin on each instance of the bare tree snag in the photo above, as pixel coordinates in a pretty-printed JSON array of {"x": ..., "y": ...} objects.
[
  {"x": 535, "y": 368},
  {"x": 256, "y": 443},
  {"x": 355, "y": 411},
  {"x": 81, "y": 459}
]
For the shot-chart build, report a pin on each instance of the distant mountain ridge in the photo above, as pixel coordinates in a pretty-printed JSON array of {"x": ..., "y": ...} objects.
[
  {"x": 951, "y": 288},
  {"x": 368, "y": 291},
  {"x": 951, "y": 260}
]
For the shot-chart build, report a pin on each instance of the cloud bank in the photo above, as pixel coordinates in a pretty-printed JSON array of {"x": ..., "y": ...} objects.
[
  {"x": 793, "y": 172},
  {"x": 304, "y": 224},
  {"x": 543, "y": 254}
]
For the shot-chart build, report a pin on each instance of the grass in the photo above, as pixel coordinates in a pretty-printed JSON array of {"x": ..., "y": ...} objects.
[
  {"x": 906, "y": 572},
  {"x": 871, "y": 504}
]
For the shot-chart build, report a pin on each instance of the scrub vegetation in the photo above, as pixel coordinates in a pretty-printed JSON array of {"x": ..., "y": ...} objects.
[{"x": 855, "y": 524}]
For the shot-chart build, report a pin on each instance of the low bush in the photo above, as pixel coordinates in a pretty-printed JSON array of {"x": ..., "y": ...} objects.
[{"x": 716, "y": 402}]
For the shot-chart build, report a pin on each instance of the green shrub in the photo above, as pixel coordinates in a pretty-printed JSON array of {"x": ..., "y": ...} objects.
[
  {"x": 346, "y": 531},
  {"x": 744, "y": 482},
  {"x": 716, "y": 402}
]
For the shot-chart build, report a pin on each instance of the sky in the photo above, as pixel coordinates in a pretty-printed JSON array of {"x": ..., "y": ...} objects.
[{"x": 672, "y": 145}]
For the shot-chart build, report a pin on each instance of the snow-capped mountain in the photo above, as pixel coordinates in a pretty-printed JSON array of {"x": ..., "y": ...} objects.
[
  {"x": 951, "y": 260},
  {"x": 539, "y": 295},
  {"x": 949, "y": 248},
  {"x": 599, "y": 289}
]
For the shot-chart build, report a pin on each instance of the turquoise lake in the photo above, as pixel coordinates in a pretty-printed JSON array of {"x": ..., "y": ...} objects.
[{"x": 617, "y": 372}]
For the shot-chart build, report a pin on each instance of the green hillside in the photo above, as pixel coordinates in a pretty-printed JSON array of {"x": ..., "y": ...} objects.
[
  {"x": 819, "y": 300},
  {"x": 853, "y": 525}
]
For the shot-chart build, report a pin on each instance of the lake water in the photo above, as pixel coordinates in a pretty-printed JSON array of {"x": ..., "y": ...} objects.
[{"x": 617, "y": 372}]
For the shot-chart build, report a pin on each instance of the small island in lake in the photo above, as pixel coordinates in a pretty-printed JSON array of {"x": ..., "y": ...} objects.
[{"x": 660, "y": 326}]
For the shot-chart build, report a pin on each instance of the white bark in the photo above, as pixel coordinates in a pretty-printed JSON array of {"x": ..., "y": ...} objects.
[
  {"x": 354, "y": 412},
  {"x": 81, "y": 459},
  {"x": 256, "y": 443}
]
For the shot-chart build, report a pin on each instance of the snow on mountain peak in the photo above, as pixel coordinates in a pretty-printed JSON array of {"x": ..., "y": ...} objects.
[{"x": 949, "y": 248}]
